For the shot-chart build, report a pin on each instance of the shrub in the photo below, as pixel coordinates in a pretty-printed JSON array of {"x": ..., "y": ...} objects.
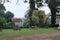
[
  {"x": 9, "y": 25},
  {"x": 2, "y": 21},
  {"x": 55, "y": 25},
  {"x": 16, "y": 27}
]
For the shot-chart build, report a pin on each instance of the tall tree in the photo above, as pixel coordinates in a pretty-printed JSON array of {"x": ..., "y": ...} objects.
[
  {"x": 2, "y": 9},
  {"x": 53, "y": 7},
  {"x": 8, "y": 16},
  {"x": 32, "y": 7},
  {"x": 2, "y": 15}
]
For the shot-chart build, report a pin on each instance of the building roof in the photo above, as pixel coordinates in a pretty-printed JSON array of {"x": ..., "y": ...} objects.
[{"x": 16, "y": 19}]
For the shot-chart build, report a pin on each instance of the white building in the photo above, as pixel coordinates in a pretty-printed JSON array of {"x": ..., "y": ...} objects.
[{"x": 18, "y": 21}]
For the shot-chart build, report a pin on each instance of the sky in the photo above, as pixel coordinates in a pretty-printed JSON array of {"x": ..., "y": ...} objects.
[{"x": 19, "y": 9}]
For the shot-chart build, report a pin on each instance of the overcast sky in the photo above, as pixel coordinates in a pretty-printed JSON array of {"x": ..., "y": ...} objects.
[{"x": 20, "y": 8}]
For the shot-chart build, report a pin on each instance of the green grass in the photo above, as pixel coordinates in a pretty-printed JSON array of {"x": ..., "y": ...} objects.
[{"x": 11, "y": 32}]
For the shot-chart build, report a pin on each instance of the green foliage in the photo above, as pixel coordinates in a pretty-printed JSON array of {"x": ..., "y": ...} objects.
[
  {"x": 8, "y": 16},
  {"x": 5, "y": 17},
  {"x": 9, "y": 25},
  {"x": 38, "y": 0},
  {"x": 48, "y": 19},
  {"x": 52, "y": 4},
  {"x": 27, "y": 18},
  {"x": 38, "y": 17},
  {"x": 2, "y": 21},
  {"x": 2, "y": 14},
  {"x": 26, "y": 23},
  {"x": 2, "y": 8}
]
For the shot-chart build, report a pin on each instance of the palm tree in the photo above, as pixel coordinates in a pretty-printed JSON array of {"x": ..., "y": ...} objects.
[{"x": 38, "y": 17}]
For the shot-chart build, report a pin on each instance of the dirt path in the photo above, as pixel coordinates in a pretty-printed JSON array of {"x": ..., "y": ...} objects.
[{"x": 53, "y": 36}]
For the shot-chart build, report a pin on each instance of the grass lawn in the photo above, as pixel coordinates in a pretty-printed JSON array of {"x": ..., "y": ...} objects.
[{"x": 26, "y": 31}]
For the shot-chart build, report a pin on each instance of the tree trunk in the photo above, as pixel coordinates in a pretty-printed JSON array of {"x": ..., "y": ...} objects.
[
  {"x": 30, "y": 19},
  {"x": 53, "y": 14},
  {"x": 32, "y": 7}
]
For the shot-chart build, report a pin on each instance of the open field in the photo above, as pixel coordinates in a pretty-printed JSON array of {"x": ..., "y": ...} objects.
[{"x": 27, "y": 31}]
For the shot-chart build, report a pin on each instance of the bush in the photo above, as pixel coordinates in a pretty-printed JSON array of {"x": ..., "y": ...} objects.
[
  {"x": 8, "y": 25},
  {"x": 16, "y": 27},
  {"x": 2, "y": 21},
  {"x": 51, "y": 25}
]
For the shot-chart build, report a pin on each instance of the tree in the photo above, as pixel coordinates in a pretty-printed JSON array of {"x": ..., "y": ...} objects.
[
  {"x": 32, "y": 7},
  {"x": 48, "y": 19},
  {"x": 2, "y": 9},
  {"x": 8, "y": 25},
  {"x": 52, "y": 5},
  {"x": 2, "y": 14},
  {"x": 53, "y": 9},
  {"x": 38, "y": 17},
  {"x": 2, "y": 21},
  {"x": 9, "y": 16},
  {"x": 3, "y": 1},
  {"x": 27, "y": 20}
]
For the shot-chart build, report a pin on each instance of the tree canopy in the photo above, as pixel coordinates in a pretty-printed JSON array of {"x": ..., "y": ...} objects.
[
  {"x": 9, "y": 15},
  {"x": 38, "y": 16}
]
